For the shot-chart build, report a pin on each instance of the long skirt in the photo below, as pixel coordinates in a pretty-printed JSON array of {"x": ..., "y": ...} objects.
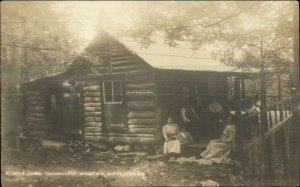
[
  {"x": 172, "y": 147},
  {"x": 217, "y": 151}
]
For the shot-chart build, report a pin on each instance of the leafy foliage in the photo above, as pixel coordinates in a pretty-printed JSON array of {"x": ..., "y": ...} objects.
[
  {"x": 36, "y": 40},
  {"x": 244, "y": 34}
]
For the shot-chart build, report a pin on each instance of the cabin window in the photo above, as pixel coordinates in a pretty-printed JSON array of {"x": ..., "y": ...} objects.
[
  {"x": 53, "y": 101},
  {"x": 112, "y": 91}
]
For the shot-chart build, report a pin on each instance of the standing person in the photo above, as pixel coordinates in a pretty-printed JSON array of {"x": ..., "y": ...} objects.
[
  {"x": 189, "y": 118},
  {"x": 170, "y": 133},
  {"x": 218, "y": 151}
]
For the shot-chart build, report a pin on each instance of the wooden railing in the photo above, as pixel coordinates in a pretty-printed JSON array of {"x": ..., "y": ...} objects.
[
  {"x": 260, "y": 139},
  {"x": 276, "y": 114}
]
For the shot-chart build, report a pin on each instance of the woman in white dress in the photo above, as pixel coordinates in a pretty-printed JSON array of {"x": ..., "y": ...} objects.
[
  {"x": 218, "y": 151},
  {"x": 170, "y": 133}
]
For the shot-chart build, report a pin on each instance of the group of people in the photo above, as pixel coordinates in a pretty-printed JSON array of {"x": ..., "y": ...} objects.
[{"x": 217, "y": 150}]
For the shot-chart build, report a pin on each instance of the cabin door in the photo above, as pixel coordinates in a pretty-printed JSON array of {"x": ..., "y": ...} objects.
[{"x": 114, "y": 109}]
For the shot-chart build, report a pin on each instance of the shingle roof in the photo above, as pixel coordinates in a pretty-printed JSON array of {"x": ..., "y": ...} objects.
[{"x": 181, "y": 57}]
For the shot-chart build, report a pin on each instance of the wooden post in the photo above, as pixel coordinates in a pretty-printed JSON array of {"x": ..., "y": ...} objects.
[
  {"x": 294, "y": 129},
  {"x": 243, "y": 88},
  {"x": 237, "y": 95},
  {"x": 280, "y": 97},
  {"x": 286, "y": 150},
  {"x": 264, "y": 128}
]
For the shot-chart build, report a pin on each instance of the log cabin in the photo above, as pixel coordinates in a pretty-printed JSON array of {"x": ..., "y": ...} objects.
[{"x": 119, "y": 92}]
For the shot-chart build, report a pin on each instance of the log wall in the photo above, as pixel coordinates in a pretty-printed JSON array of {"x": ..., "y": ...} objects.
[
  {"x": 143, "y": 116},
  {"x": 92, "y": 110},
  {"x": 35, "y": 114}
]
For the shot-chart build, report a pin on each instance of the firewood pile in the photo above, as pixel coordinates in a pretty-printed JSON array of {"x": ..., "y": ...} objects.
[{"x": 76, "y": 151}]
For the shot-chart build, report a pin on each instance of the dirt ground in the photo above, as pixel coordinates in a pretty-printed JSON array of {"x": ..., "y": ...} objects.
[{"x": 37, "y": 169}]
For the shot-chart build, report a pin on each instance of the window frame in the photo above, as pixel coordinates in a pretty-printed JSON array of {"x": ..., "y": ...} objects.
[{"x": 112, "y": 92}]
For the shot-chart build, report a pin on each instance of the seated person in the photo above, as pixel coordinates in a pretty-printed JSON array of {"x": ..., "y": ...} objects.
[
  {"x": 185, "y": 137},
  {"x": 170, "y": 133},
  {"x": 218, "y": 151}
]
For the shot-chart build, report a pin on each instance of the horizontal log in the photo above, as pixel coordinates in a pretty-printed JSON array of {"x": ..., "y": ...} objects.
[
  {"x": 92, "y": 94},
  {"x": 141, "y": 105},
  {"x": 36, "y": 114},
  {"x": 93, "y": 124},
  {"x": 41, "y": 119},
  {"x": 116, "y": 128},
  {"x": 31, "y": 106},
  {"x": 92, "y": 114},
  {"x": 142, "y": 121},
  {"x": 122, "y": 140},
  {"x": 115, "y": 54},
  {"x": 116, "y": 125},
  {"x": 145, "y": 126},
  {"x": 101, "y": 69},
  {"x": 37, "y": 133},
  {"x": 37, "y": 102},
  {"x": 142, "y": 114},
  {"x": 139, "y": 94},
  {"x": 92, "y": 119},
  {"x": 92, "y": 109},
  {"x": 119, "y": 63},
  {"x": 92, "y": 104},
  {"x": 35, "y": 94},
  {"x": 139, "y": 86},
  {"x": 126, "y": 135},
  {"x": 33, "y": 126},
  {"x": 143, "y": 130},
  {"x": 92, "y": 99},
  {"x": 91, "y": 88},
  {"x": 128, "y": 68},
  {"x": 92, "y": 129},
  {"x": 143, "y": 77},
  {"x": 122, "y": 58},
  {"x": 88, "y": 83},
  {"x": 93, "y": 134}
]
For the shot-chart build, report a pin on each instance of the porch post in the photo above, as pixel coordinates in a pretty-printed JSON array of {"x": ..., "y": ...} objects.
[
  {"x": 280, "y": 97},
  {"x": 237, "y": 95}
]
